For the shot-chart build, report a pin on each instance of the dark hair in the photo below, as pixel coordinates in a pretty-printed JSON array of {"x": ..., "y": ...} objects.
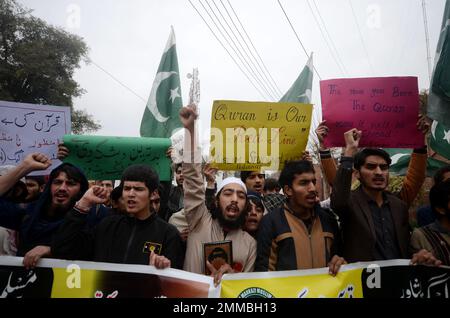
[
  {"x": 175, "y": 166},
  {"x": 116, "y": 193},
  {"x": 39, "y": 179},
  {"x": 439, "y": 175},
  {"x": 440, "y": 196},
  {"x": 73, "y": 173},
  {"x": 256, "y": 199},
  {"x": 246, "y": 174},
  {"x": 271, "y": 184},
  {"x": 218, "y": 252},
  {"x": 361, "y": 156},
  {"x": 292, "y": 168},
  {"x": 141, "y": 173}
]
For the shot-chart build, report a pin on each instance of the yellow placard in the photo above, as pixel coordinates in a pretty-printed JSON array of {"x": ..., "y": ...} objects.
[
  {"x": 258, "y": 136},
  {"x": 345, "y": 285}
]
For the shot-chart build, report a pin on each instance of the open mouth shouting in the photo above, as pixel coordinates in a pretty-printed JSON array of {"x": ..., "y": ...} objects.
[{"x": 232, "y": 211}]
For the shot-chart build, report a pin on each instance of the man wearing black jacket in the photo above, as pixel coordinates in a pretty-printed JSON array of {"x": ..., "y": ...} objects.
[
  {"x": 38, "y": 221},
  {"x": 137, "y": 238}
]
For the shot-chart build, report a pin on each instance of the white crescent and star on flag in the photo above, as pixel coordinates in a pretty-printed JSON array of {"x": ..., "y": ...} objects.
[{"x": 152, "y": 103}]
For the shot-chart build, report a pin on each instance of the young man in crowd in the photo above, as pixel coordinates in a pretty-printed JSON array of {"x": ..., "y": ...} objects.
[
  {"x": 224, "y": 223},
  {"x": 435, "y": 237},
  {"x": 375, "y": 223},
  {"x": 255, "y": 182},
  {"x": 255, "y": 212},
  {"x": 140, "y": 237},
  {"x": 16, "y": 194},
  {"x": 425, "y": 215},
  {"x": 175, "y": 195},
  {"x": 271, "y": 185},
  {"x": 108, "y": 185},
  {"x": 35, "y": 186},
  {"x": 38, "y": 222},
  {"x": 299, "y": 235},
  {"x": 118, "y": 205},
  {"x": 416, "y": 171}
]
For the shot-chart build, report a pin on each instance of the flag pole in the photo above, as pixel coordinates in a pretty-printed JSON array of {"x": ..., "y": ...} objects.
[{"x": 427, "y": 37}]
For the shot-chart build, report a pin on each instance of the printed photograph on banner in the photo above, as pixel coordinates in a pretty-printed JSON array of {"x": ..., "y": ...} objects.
[
  {"x": 217, "y": 254},
  {"x": 257, "y": 136}
]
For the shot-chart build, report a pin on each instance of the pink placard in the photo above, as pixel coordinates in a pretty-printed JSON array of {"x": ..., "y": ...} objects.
[{"x": 385, "y": 109}]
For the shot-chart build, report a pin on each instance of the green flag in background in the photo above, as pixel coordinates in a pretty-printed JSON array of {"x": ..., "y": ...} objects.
[
  {"x": 301, "y": 90},
  {"x": 161, "y": 113},
  {"x": 400, "y": 161},
  {"x": 439, "y": 143},
  {"x": 439, "y": 95},
  {"x": 440, "y": 139}
]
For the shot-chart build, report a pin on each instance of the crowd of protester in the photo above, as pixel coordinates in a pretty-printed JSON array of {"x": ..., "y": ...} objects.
[{"x": 273, "y": 224}]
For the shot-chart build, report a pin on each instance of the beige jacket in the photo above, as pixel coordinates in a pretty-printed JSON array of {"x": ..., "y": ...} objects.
[
  {"x": 179, "y": 220},
  {"x": 204, "y": 229}
]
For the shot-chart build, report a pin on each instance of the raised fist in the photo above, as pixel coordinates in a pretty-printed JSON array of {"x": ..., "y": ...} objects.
[
  {"x": 36, "y": 161},
  {"x": 188, "y": 115}
]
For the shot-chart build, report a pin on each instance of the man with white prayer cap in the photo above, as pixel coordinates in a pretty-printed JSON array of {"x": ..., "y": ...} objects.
[{"x": 224, "y": 223}]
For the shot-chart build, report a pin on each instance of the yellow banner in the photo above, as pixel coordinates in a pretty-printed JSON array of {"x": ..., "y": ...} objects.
[
  {"x": 347, "y": 284},
  {"x": 258, "y": 136}
]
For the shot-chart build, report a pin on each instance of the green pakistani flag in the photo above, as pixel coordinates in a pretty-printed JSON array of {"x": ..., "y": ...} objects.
[
  {"x": 440, "y": 139},
  {"x": 439, "y": 95},
  {"x": 400, "y": 160},
  {"x": 161, "y": 113},
  {"x": 439, "y": 142},
  {"x": 301, "y": 90}
]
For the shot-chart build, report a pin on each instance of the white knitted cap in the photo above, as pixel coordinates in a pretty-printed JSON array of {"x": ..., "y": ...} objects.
[{"x": 231, "y": 180}]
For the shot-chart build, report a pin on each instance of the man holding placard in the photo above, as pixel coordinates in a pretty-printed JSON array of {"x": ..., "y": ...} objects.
[
  {"x": 375, "y": 223},
  {"x": 222, "y": 227}
]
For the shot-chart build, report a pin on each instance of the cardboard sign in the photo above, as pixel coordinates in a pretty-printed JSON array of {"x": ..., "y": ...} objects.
[
  {"x": 257, "y": 136},
  {"x": 386, "y": 109},
  {"x": 30, "y": 128},
  {"x": 105, "y": 158}
]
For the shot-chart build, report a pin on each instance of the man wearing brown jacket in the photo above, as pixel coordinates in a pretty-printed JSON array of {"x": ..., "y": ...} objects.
[
  {"x": 374, "y": 222},
  {"x": 415, "y": 174}
]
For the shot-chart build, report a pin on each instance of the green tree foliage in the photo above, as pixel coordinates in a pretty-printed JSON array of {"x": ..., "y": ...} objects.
[
  {"x": 37, "y": 63},
  {"x": 83, "y": 123}
]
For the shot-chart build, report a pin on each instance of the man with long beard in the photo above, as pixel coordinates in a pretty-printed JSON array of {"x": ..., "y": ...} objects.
[
  {"x": 38, "y": 222},
  {"x": 224, "y": 223}
]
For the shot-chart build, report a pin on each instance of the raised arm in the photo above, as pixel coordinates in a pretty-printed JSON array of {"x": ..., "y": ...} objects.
[
  {"x": 340, "y": 196},
  {"x": 326, "y": 160},
  {"x": 32, "y": 162},
  {"x": 72, "y": 240},
  {"x": 417, "y": 168},
  {"x": 194, "y": 191},
  {"x": 210, "y": 193}
]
